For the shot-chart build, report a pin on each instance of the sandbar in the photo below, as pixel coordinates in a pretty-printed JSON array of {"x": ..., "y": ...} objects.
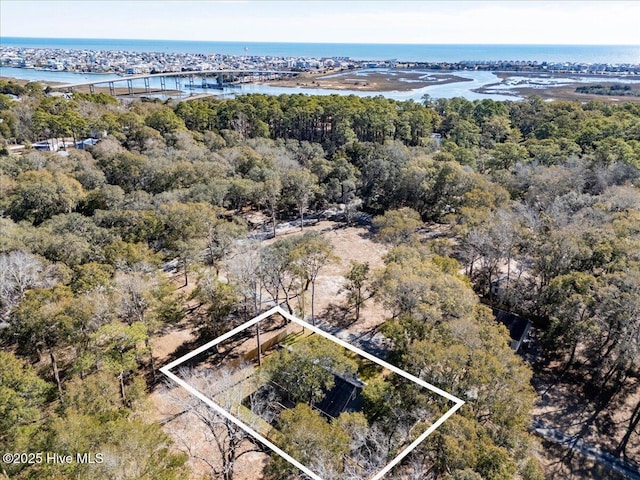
[{"x": 370, "y": 80}]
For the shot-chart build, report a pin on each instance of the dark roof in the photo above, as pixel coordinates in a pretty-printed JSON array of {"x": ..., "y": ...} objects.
[
  {"x": 343, "y": 397},
  {"x": 518, "y": 326}
]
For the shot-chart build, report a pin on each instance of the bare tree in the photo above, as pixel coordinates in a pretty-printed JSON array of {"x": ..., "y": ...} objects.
[
  {"x": 145, "y": 298},
  {"x": 216, "y": 434},
  {"x": 243, "y": 270},
  {"x": 415, "y": 467},
  {"x": 220, "y": 238},
  {"x": 369, "y": 453},
  {"x": 134, "y": 289},
  {"x": 276, "y": 270},
  {"x": 272, "y": 192},
  {"x": 299, "y": 187},
  {"x": 19, "y": 272}
]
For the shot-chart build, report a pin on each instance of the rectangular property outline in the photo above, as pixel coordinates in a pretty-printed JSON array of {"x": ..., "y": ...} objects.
[{"x": 277, "y": 309}]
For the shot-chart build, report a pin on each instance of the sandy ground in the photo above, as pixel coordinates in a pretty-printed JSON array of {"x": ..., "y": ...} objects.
[
  {"x": 561, "y": 406},
  {"x": 349, "y": 244},
  {"x": 191, "y": 435}
]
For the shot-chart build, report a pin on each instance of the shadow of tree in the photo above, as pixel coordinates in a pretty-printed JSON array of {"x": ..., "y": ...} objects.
[
  {"x": 337, "y": 315},
  {"x": 570, "y": 466},
  {"x": 226, "y": 349}
]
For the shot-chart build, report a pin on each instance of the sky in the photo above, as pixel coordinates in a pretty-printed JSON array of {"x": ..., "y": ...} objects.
[{"x": 426, "y": 22}]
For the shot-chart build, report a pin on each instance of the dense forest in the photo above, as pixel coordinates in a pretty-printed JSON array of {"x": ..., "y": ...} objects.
[{"x": 537, "y": 205}]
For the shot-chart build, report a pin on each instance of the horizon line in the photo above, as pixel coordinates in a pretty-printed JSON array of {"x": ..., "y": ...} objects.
[{"x": 292, "y": 42}]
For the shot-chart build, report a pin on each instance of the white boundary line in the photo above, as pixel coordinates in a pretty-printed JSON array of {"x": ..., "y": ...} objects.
[
  {"x": 246, "y": 428},
  {"x": 166, "y": 370}
]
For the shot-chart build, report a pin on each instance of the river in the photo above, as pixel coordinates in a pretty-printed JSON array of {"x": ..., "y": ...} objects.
[{"x": 449, "y": 90}]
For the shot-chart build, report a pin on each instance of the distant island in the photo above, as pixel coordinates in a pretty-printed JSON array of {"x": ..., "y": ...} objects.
[{"x": 130, "y": 63}]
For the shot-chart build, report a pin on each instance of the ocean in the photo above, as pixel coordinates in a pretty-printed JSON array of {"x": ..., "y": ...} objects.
[{"x": 612, "y": 54}]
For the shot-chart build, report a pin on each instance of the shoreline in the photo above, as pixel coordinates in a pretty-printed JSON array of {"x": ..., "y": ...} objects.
[
  {"x": 518, "y": 85},
  {"x": 563, "y": 92},
  {"x": 396, "y": 80},
  {"x": 385, "y": 82}
]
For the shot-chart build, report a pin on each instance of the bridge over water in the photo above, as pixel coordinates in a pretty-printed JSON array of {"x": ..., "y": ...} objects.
[{"x": 220, "y": 78}]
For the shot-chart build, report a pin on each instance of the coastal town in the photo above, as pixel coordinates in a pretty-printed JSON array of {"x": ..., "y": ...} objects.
[{"x": 131, "y": 63}]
